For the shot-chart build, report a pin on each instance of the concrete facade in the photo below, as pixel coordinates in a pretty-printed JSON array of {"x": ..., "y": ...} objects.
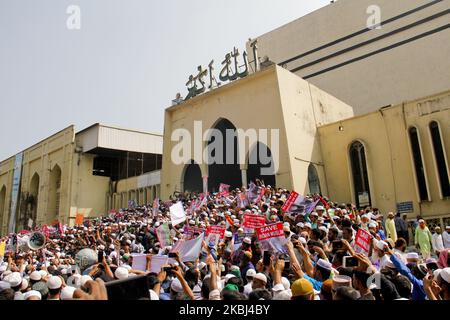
[{"x": 334, "y": 49}]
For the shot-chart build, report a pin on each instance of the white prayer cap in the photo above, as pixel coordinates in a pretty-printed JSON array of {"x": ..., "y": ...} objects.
[
  {"x": 320, "y": 208},
  {"x": 67, "y": 293},
  {"x": 323, "y": 228},
  {"x": 308, "y": 225},
  {"x": 421, "y": 221},
  {"x": 247, "y": 240},
  {"x": 445, "y": 275},
  {"x": 381, "y": 245},
  {"x": 436, "y": 273},
  {"x": 14, "y": 279},
  {"x": 121, "y": 273},
  {"x": 300, "y": 224},
  {"x": 302, "y": 240},
  {"x": 324, "y": 264},
  {"x": 261, "y": 276},
  {"x": 250, "y": 273},
  {"x": 32, "y": 293},
  {"x": 412, "y": 255},
  {"x": 372, "y": 225},
  {"x": 101, "y": 247},
  {"x": 54, "y": 282},
  {"x": 176, "y": 286},
  {"x": 286, "y": 228},
  {"x": 85, "y": 279},
  {"x": 43, "y": 273},
  {"x": 228, "y": 234},
  {"x": 4, "y": 285},
  {"x": 24, "y": 284},
  {"x": 229, "y": 276},
  {"x": 314, "y": 214}
]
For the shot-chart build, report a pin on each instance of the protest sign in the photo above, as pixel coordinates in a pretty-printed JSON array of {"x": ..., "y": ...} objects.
[
  {"x": 155, "y": 207},
  {"x": 163, "y": 234},
  {"x": 253, "y": 221},
  {"x": 223, "y": 190},
  {"x": 139, "y": 262},
  {"x": 272, "y": 237},
  {"x": 270, "y": 231},
  {"x": 242, "y": 200},
  {"x": 220, "y": 231},
  {"x": 290, "y": 201},
  {"x": 177, "y": 214},
  {"x": 362, "y": 241},
  {"x": 157, "y": 262},
  {"x": 190, "y": 250}
]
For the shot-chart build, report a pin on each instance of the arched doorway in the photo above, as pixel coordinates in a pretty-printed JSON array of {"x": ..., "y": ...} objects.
[
  {"x": 32, "y": 201},
  {"x": 223, "y": 168},
  {"x": 359, "y": 174},
  {"x": 54, "y": 194},
  {"x": 313, "y": 180},
  {"x": 2, "y": 206},
  {"x": 260, "y": 165},
  {"x": 192, "y": 178}
]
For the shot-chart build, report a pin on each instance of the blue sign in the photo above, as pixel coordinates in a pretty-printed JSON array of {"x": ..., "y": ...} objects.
[{"x": 405, "y": 207}]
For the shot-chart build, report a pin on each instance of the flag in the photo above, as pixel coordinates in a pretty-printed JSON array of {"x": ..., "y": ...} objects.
[
  {"x": 327, "y": 206},
  {"x": 262, "y": 192},
  {"x": 177, "y": 214},
  {"x": 223, "y": 190}
]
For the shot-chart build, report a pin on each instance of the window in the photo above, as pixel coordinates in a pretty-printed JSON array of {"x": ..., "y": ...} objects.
[
  {"x": 440, "y": 159},
  {"x": 313, "y": 179},
  {"x": 418, "y": 164},
  {"x": 359, "y": 173}
]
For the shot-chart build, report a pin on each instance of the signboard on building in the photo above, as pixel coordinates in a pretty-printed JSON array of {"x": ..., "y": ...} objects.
[
  {"x": 405, "y": 207},
  {"x": 363, "y": 199},
  {"x": 17, "y": 176}
]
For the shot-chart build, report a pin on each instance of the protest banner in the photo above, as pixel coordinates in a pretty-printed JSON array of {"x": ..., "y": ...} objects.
[
  {"x": 271, "y": 231},
  {"x": 190, "y": 250},
  {"x": 262, "y": 192},
  {"x": 157, "y": 262},
  {"x": 290, "y": 201},
  {"x": 242, "y": 200},
  {"x": 362, "y": 241},
  {"x": 139, "y": 262},
  {"x": 155, "y": 207},
  {"x": 205, "y": 184},
  {"x": 177, "y": 214},
  {"x": 223, "y": 190},
  {"x": 253, "y": 221},
  {"x": 220, "y": 231},
  {"x": 163, "y": 234}
]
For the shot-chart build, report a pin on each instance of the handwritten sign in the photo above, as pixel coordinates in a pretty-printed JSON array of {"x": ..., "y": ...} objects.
[
  {"x": 253, "y": 221},
  {"x": 270, "y": 231},
  {"x": 362, "y": 240}
]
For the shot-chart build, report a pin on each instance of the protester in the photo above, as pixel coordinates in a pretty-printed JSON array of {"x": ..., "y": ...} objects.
[{"x": 215, "y": 247}]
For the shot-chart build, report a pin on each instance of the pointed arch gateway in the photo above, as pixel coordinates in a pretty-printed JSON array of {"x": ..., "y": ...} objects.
[
  {"x": 358, "y": 162},
  {"x": 54, "y": 195},
  {"x": 223, "y": 158},
  {"x": 32, "y": 200}
]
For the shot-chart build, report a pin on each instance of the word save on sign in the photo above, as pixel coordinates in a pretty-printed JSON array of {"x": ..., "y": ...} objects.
[
  {"x": 362, "y": 240},
  {"x": 270, "y": 231},
  {"x": 290, "y": 201},
  {"x": 253, "y": 221}
]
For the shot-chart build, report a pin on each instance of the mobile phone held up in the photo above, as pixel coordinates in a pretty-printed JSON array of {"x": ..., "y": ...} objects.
[{"x": 350, "y": 262}]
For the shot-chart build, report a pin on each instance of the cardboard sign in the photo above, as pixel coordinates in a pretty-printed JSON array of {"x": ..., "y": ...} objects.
[
  {"x": 216, "y": 230},
  {"x": 270, "y": 231},
  {"x": 290, "y": 201},
  {"x": 253, "y": 221},
  {"x": 362, "y": 240}
]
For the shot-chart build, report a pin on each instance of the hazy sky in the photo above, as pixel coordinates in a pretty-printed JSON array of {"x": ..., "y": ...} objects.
[{"x": 125, "y": 64}]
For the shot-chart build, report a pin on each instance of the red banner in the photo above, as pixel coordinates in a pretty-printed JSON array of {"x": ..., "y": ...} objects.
[
  {"x": 363, "y": 239},
  {"x": 270, "y": 231},
  {"x": 253, "y": 221},
  {"x": 290, "y": 201},
  {"x": 216, "y": 230}
]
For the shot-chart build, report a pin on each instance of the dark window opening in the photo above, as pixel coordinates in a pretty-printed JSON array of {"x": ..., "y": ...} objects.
[
  {"x": 360, "y": 175},
  {"x": 440, "y": 159},
  {"x": 418, "y": 164}
]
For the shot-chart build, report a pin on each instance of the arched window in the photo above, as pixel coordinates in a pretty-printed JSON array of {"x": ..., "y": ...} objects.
[
  {"x": 54, "y": 193},
  {"x": 359, "y": 173},
  {"x": 418, "y": 164},
  {"x": 313, "y": 179},
  {"x": 440, "y": 159}
]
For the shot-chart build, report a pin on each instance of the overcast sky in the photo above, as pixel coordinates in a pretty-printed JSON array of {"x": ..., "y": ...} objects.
[{"x": 125, "y": 64}]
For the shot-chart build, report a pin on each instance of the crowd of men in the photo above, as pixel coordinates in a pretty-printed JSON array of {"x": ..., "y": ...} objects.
[{"x": 317, "y": 257}]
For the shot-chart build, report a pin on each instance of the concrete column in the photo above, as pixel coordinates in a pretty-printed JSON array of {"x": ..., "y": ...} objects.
[{"x": 244, "y": 177}]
